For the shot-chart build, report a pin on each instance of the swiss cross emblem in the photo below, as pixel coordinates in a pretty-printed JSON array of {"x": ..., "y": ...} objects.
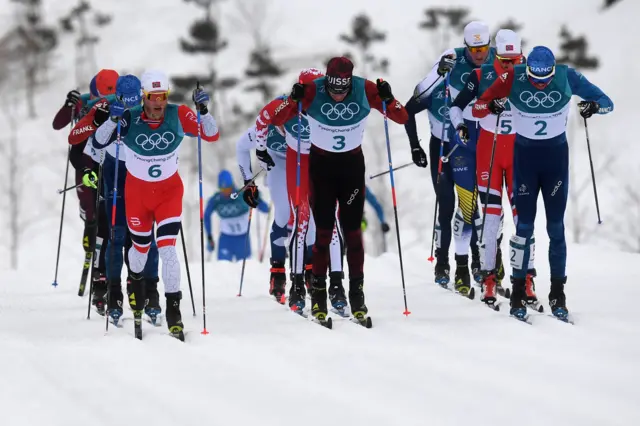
[
  {"x": 155, "y": 84},
  {"x": 509, "y": 47}
]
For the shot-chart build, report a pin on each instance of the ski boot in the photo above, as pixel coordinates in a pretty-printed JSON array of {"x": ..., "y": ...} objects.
[
  {"x": 277, "y": 281},
  {"x": 462, "y": 283},
  {"x": 153, "y": 309},
  {"x": 99, "y": 286},
  {"x": 489, "y": 289},
  {"x": 114, "y": 301},
  {"x": 336, "y": 292},
  {"x": 174, "y": 317},
  {"x": 356, "y": 298},
  {"x": 442, "y": 277},
  {"x": 319, "y": 299},
  {"x": 476, "y": 271},
  {"x": 307, "y": 277},
  {"x": 137, "y": 300},
  {"x": 518, "y": 299},
  {"x": 530, "y": 291},
  {"x": 500, "y": 275},
  {"x": 297, "y": 293},
  {"x": 558, "y": 300}
]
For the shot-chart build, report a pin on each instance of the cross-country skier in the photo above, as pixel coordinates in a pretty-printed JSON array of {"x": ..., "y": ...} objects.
[
  {"x": 233, "y": 243},
  {"x": 539, "y": 94},
  {"x": 337, "y": 106},
  {"x": 459, "y": 171},
  {"x": 508, "y": 54},
  {"x": 152, "y": 136}
]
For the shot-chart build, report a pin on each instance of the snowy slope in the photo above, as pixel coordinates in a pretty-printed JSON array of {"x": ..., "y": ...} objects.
[{"x": 452, "y": 362}]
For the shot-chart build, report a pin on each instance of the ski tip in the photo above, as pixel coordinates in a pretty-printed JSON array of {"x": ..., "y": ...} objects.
[
  {"x": 406, "y": 313},
  {"x": 205, "y": 332}
]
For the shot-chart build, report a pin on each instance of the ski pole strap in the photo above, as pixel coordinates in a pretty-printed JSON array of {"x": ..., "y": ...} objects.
[{"x": 234, "y": 195}]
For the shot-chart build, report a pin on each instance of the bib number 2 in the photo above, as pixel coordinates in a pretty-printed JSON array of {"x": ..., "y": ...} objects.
[
  {"x": 340, "y": 144},
  {"x": 155, "y": 171},
  {"x": 542, "y": 131}
]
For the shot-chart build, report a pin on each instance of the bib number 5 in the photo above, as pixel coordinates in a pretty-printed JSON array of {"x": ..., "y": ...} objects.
[
  {"x": 340, "y": 144},
  {"x": 155, "y": 171}
]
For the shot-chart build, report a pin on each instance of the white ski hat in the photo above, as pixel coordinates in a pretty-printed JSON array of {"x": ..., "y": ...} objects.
[
  {"x": 154, "y": 81},
  {"x": 508, "y": 43},
  {"x": 476, "y": 33}
]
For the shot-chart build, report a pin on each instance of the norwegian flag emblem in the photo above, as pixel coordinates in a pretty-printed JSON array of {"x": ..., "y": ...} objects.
[
  {"x": 155, "y": 84},
  {"x": 509, "y": 47}
]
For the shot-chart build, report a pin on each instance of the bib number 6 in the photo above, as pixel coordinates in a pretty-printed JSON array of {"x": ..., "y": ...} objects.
[
  {"x": 340, "y": 144},
  {"x": 155, "y": 171}
]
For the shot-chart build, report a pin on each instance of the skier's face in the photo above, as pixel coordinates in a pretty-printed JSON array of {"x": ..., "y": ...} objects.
[
  {"x": 155, "y": 103},
  {"x": 478, "y": 54},
  {"x": 507, "y": 62},
  {"x": 338, "y": 97}
]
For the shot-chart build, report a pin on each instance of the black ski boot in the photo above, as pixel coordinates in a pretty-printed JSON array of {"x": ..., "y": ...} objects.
[
  {"x": 558, "y": 300},
  {"x": 518, "y": 298},
  {"x": 297, "y": 293},
  {"x": 319, "y": 297},
  {"x": 336, "y": 292},
  {"x": 307, "y": 276},
  {"x": 442, "y": 269},
  {"x": 98, "y": 298},
  {"x": 174, "y": 317},
  {"x": 462, "y": 278},
  {"x": 475, "y": 265},
  {"x": 114, "y": 300},
  {"x": 278, "y": 281},
  {"x": 153, "y": 309},
  {"x": 356, "y": 297},
  {"x": 137, "y": 300}
]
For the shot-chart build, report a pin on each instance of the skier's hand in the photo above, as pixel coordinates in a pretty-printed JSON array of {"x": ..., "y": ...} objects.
[
  {"x": 446, "y": 64},
  {"x": 101, "y": 114},
  {"x": 588, "y": 108},
  {"x": 89, "y": 178},
  {"x": 251, "y": 195},
  {"x": 297, "y": 92},
  {"x": 418, "y": 156},
  {"x": 265, "y": 160},
  {"x": 201, "y": 99},
  {"x": 73, "y": 98},
  {"x": 89, "y": 236},
  {"x": 117, "y": 109},
  {"x": 384, "y": 90},
  {"x": 385, "y": 227},
  {"x": 463, "y": 133},
  {"x": 496, "y": 106},
  {"x": 211, "y": 245}
]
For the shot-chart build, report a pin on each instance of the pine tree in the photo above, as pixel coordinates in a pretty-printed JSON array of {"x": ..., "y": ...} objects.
[
  {"x": 443, "y": 24},
  {"x": 362, "y": 37}
]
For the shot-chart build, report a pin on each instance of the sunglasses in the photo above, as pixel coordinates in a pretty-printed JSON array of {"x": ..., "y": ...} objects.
[
  {"x": 156, "y": 96},
  {"x": 511, "y": 59},
  {"x": 478, "y": 49}
]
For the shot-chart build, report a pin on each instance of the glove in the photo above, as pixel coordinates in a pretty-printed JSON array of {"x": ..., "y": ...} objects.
[
  {"x": 418, "y": 156},
  {"x": 297, "y": 92},
  {"x": 463, "y": 133},
  {"x": 211, "y": 245},
  {"x": 251, "y": 194},
  {"x": 265, "y": 160},
  {"x": 588, "y": 108},
  {"x": 445, "y": 65},
  {"x": 101, "y": 115},
  {"x": 496, "y": 106},
  {"x": 89, "y": 178},
  {"x": 201, "y": 99},
  {"x": 385, "y": 227},
  {"x": 384, "y": 90},
  {"x": 363, "y": 224},
  {"x": 73, "y": 98},
  {"x": 117, "y": 109},
  {"x": 89, "y": 236}
]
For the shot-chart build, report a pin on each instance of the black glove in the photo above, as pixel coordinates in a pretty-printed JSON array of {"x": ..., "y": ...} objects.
[
  {"x": 418, "y": 156},
  {"x": 445, "y": 65},
  {"x": 101, "y": 115},
  {"x": 496, "y": 106},
  {"x": 211, "y": 245},
  {"x": 297, "y": 92},
  {"x": 385, "y": 227},
  {"x": 73, "y": 97},
  {"x": 251, "y": 194},
  {"x": 89, "y": 236},
  {"x": 463, "y": 132},
  {"x": 265, "y": 160},
  {"x": 588, "y": 108},
  {"x": 384, "y": 90}
]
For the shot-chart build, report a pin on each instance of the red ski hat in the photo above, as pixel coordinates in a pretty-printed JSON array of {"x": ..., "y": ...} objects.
[
  {"x": 339, "y": 74},
  {"x": 307, "y": 75},
  {"x": 106, "y": 82}
]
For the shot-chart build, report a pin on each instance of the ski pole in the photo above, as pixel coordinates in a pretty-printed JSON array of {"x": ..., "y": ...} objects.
[
  {"x": 295, "y": 238},
  {"x": 593, "y": 175},
  {"x": 387, "y": 171},
  {"x": 246, "y": 251},
  {"x": 395, "y": 204},
  {"x": 96, "y": 256},
  {"x": 186, "y": 262},
  {"x": 259, "y": 233},
  {"x": 430, "y": 86},
  {"x": 64, "y": 198},
  {"x": 62, "y": 191},
  {"x": 440, "y": 161},
  {"x": 486, "y": 197},
  {"x": 234, "y": 195},
  {"x": 445, "y": 159},
  {"x": 266, "y": 233},
  {"x": 113, "y": 217},
  {"x": 204, "y": 303}
]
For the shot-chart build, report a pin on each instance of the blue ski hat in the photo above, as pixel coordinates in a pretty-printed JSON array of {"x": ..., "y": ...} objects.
[
  {"x": 225, "y": 180},
  {"x": 541, "y": 65},
  {"x": 129, "y": 89}
]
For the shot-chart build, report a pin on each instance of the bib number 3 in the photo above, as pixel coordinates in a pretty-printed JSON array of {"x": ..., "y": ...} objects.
[
  {"x": 155, "y": 171},
  {"x": 340, "y": 144}
]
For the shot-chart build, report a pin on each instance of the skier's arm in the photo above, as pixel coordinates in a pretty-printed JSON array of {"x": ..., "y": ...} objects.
[
  {"x": 83, "y": 128},
  {"x": 289, "y": 108},
  {"x": 464, "y": 98},
  {"x": 107, "y": 132},
  {"x": 426, "y": 86},
  {"x": 189, "y": 121},
  {"x": 77, "y": 157},
  {"x": 414, "y": 106},
  {"x": 73, "y": 103},
  {"x": 243, "y": 153},
  {"x": 263, "y": 121},
  {"x": 498, "y": 90},
  {"x": 395, "y": 110},
  {"x": 211, "y": 207},
  {"x": 588, "y": 91},
  {"x": 371, "y": 199}
]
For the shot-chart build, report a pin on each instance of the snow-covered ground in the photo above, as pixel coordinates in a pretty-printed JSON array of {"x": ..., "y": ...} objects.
[{"x": 451, "y": 362}]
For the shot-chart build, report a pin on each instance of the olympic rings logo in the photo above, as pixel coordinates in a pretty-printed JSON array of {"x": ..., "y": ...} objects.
[
  {"x": 277, "y": 146},
  {"x": 305, "y": 130},
  {"x": 155, "y": 141},
  {"x": 346, "y": 112},
  {"x": 540, "y": 99},
  {"x": 444, "y": 112}
]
